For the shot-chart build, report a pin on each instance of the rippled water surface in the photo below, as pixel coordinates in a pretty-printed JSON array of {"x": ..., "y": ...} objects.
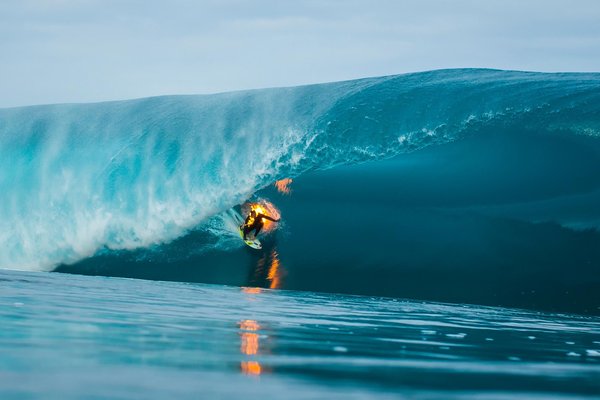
[{"x": 70, "y": 336}]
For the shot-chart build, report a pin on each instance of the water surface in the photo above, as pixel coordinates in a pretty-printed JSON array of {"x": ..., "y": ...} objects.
[{"x": 72, "y": 336}]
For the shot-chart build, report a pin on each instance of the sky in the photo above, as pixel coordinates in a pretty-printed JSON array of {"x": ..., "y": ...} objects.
[{"x": 56, "y": 51}]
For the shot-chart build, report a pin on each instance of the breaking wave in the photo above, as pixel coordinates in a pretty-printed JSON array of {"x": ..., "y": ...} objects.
[{"x": 79, "y": 179}]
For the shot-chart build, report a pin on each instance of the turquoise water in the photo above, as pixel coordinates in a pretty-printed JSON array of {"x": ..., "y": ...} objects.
[{"x": 70, "y": 336}]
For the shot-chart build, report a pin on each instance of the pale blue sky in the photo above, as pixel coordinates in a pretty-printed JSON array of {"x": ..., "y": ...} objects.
[{"x": 91, "y": 50}]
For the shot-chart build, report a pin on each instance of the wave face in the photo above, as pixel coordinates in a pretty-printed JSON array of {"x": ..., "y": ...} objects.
[{"x": 86, "y": 179}]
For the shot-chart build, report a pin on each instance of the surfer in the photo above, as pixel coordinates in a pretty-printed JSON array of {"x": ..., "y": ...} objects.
[{"x": 255, "y": 222}]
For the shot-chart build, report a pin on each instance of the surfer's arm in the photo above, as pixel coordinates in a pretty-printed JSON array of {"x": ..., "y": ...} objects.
[{"x": 269, "y": 218}]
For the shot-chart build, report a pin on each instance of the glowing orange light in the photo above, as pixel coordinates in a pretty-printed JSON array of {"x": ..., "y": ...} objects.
[
  {"x": 249, "y": 344},
  {"x": 251, "y": 290},
  {"x": 274, "y": 275},
  {"x": 266, "y": 208},
  {"x": 251, "y": 367},
  {"x": 258, "y": 208},
  {"x": 283, "y": 186},
  {"x": 249, "y": 325}
]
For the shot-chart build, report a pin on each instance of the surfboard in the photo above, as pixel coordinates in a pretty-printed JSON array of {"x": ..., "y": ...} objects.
[{"x": 250, "y": 241}]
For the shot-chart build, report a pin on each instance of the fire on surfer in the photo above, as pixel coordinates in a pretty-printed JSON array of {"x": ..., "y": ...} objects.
[{"x": 255, "y": 221}]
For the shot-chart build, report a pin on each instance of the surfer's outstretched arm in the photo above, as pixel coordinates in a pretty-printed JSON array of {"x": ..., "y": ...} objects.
[{"x": 269, "y": 218}]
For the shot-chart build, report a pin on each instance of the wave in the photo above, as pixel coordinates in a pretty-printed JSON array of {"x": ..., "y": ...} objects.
[{"x": 82, "y": 179}]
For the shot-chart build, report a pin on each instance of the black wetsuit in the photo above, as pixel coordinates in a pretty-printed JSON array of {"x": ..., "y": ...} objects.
[{"x": 256, "y": 224}]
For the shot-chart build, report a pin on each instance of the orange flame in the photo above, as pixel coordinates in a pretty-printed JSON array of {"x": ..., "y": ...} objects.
[
  {"x": 283, "y": 186},
  {"x": 264, "y": 207}
]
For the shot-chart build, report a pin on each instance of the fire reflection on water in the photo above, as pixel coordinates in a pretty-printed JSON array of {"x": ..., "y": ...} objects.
[
  {"x": 251, "y": 290},
  {"x": 249, "y": 346},
  {"x": 268, "y": 272},
  {"x": 274, "y": 274},
  {"x": 251, "y": 367}
]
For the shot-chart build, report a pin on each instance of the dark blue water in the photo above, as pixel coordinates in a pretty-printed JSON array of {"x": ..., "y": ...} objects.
[{"x": 69, "y": 336}]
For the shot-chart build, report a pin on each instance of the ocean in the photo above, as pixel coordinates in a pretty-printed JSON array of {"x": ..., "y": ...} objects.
[
  {"x": 439, "y": 237},
  {"x": 69, "y": 336}
]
